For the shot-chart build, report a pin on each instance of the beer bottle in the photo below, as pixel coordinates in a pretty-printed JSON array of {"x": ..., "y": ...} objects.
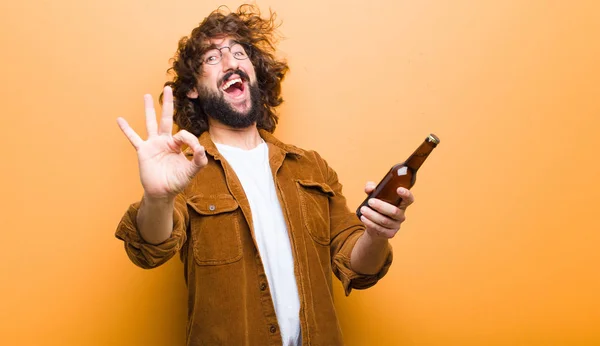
[{"x": 401, "y": 175}]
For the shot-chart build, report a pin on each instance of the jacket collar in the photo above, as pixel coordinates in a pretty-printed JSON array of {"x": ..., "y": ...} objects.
[{"x": 269, "y": 138}]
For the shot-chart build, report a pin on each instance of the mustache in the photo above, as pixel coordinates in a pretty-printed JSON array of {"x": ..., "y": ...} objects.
[{"x": 239, "y": 72}]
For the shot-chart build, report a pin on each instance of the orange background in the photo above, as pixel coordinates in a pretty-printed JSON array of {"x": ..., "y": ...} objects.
[{"x": 500, "y": 248}]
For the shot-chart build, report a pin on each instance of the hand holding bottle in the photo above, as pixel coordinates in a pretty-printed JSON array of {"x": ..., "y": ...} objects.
[
  {"x": 381, "y": 218},
  {"x": 401, "y": 175}
]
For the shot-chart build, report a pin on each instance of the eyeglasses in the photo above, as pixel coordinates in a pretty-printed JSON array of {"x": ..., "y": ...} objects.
[{"x": 214, "y": 56}]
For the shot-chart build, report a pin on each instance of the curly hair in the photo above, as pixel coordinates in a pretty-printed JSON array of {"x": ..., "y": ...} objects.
[{"x": 247, "y": 27}]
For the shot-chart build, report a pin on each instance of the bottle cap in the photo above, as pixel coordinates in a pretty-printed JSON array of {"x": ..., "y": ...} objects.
[{"x": 433, "y": 138}]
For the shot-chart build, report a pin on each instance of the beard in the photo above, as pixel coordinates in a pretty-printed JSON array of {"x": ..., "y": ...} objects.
[{"x": 214, "y": 106}]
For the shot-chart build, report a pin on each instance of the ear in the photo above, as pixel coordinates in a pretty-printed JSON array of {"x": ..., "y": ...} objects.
[{"x": 193, "y": 94}]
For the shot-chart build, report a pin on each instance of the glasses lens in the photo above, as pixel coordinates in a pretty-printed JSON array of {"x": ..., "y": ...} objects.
[
  {"x": 238, "y": 51},
  {"x": 212, "y": 57}
]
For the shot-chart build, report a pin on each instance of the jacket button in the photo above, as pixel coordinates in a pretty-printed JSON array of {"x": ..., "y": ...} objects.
[
  {"x": 212, "y": 207},
  {"x": 273, "y": 329},
  {"x": 263, "y": 286}
]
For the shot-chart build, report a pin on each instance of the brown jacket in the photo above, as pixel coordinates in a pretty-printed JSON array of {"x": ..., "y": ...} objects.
[{"x": 229, "y": 302}]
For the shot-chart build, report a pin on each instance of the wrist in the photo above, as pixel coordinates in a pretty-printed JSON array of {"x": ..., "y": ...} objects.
[
  {"x": 375, "y": 237},
  {"x": 158, "y": 200}
]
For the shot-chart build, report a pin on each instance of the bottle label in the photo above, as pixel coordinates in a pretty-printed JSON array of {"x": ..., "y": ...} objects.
[{"x": 402, "y": 171}]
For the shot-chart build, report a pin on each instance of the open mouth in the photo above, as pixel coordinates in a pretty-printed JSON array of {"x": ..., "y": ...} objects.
[{"x": 234, "y": 87}]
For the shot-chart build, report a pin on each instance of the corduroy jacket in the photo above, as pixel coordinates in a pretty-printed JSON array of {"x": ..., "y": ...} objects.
[{"x": 229, "y": 302}]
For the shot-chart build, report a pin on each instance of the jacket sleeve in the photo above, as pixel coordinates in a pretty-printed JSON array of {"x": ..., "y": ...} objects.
[
  {"x": 147, "y": 255},
  {"x": 346, "y": 229}
]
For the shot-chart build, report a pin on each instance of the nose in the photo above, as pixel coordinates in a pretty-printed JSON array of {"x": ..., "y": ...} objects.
[{"x": 228, "y": 61}]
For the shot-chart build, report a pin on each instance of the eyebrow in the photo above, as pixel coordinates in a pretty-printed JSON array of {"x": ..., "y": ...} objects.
[{"x": 228, "y": 44}]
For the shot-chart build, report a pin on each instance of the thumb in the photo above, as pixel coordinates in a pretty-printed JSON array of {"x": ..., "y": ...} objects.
[{"x": 370, "y": 186}]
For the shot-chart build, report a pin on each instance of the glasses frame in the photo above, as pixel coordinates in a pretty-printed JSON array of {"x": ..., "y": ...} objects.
[{"x": 244, "y": 46}]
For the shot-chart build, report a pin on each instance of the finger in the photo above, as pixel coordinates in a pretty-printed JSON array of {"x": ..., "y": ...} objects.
[
  {"x": 375, "y": 228},
  {"x": 382, "y": 220},
  {"x": 150, "y": 115},
  {"x": 200, "y": 159},
  {"x": 386, "y": 209},
  {"x": 407, "y": 197},
  {"x": 133, "y": 137},
  {"x": 166, "y": 120},
  {"x": 370, "y": 186},
  {"x": 184, "y": 137}
]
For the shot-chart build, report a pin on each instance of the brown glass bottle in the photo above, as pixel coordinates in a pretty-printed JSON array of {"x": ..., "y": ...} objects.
[{"x": 401, "y": 175}]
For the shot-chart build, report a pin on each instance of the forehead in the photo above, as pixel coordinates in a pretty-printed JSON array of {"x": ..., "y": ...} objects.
[{"x": 220, "y": 41}]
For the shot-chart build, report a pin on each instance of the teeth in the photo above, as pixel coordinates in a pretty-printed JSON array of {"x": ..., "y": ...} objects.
[{"x": 230, "y": 83}]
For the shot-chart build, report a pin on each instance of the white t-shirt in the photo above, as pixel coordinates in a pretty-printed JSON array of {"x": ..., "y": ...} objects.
[{"x": 270, "y": 231}]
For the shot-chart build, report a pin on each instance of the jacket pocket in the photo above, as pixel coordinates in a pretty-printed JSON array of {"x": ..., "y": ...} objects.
[
  {"x": 215, "y": 232},
  {"x": 314, "y": 205}
]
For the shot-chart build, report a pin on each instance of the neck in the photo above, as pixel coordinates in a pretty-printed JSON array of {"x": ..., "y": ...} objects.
[{"x": 246, "y": 138}]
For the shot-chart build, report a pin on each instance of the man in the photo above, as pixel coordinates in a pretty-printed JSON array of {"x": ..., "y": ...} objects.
[{"x": 259, "y": 224}]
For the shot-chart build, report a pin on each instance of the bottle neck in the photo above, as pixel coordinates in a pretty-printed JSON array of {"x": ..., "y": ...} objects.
[{"x": 417, "y": 158}]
